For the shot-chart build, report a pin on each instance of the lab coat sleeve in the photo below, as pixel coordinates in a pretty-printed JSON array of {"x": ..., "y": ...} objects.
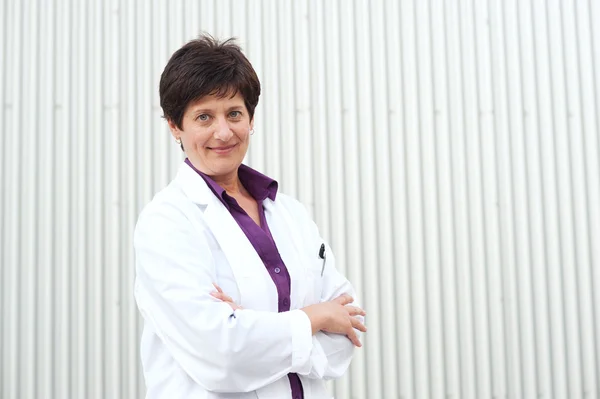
[
  {"x": 332, "y": 353},
  {"x": 221, "y": 350}
]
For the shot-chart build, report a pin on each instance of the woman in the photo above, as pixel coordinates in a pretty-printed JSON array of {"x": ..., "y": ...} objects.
[{"x": 239, "y": 295}]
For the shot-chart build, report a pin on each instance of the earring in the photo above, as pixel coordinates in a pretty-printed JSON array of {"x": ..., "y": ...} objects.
[
  {"x": 251, "y": 132},
  {"x": 178, "y": 141}
]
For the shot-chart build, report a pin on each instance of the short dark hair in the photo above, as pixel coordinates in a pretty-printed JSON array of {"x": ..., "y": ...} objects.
[{"x": 206, "y": 66}]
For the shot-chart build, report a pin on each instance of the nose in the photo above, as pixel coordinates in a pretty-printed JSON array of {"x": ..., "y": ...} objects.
[{"x": 223, "y": 131}]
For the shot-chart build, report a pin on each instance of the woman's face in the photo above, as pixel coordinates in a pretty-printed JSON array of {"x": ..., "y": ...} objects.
[{"x": 215, "y": 134}]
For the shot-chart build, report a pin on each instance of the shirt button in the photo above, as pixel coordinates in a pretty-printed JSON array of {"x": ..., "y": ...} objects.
[
  {"x": 277, "y": 270},
  {"x": 286, "y": 302}
]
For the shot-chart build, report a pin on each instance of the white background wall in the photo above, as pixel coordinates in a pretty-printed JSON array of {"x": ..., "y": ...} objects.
[{"x": 449, "y": 150}]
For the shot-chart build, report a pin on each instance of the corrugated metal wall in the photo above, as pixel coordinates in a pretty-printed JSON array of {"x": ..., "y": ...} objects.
[{"x": 448, "y": 149}]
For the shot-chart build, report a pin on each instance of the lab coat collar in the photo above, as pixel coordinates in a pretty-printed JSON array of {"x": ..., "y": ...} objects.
[{"x": 194, "y": 186}]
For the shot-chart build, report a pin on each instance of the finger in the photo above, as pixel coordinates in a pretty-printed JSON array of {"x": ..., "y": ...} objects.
[
  {"x": 217, "y": 287},
  {"x": 217, "y": 295},
  {"x": 227, "y": 298},
  {"x": 221, "y": 296},
  {"x": 343, "y": 299},
  {"x": 233, "y": 305},
  {"x": 355, "y": 311},
  {"x": 354, "y": 338},
  {"x": 358, "y": 325}
]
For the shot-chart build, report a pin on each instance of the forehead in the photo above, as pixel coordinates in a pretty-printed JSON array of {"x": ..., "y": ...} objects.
[{"x": 217, "y": 100}]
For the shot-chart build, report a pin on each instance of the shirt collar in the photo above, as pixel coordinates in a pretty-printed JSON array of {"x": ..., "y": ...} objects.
[{"x": 258, "y": 185}]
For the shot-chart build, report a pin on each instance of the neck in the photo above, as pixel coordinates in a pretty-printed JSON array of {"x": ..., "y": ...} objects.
[{"x": 230, "y": 183}]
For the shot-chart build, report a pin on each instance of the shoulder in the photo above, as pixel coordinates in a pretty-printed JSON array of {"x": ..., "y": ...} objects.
[
  {"x": 169, "y": 207},
  {"x": 298, "y": 214},
  {"x": 292, "y": 205}
]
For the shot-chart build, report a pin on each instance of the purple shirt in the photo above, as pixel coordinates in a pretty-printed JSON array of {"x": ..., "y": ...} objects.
[{"x": 260, "y": 187}]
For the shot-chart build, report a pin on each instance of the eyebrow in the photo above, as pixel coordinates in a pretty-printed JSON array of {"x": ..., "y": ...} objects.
[{"x": 209, "y": 110}]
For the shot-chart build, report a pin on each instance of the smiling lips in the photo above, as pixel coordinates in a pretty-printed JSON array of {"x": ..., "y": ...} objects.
[{"x": 223, "y": 150}]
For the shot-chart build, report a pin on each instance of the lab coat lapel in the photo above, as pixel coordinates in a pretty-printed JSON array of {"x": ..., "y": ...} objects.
[
  {"x": 245, "y": 263},
  {"x": 240, "y": 253}
]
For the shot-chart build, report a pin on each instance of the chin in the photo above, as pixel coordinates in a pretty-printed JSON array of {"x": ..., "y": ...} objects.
[{"x": 224, "y": 168}]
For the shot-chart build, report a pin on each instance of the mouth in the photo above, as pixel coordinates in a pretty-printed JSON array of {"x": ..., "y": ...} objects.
[{"x": 224, "y": 150}]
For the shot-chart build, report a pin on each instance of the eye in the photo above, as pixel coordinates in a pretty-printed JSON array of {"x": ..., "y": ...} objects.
[
  {"x": 203, "y": 117},
  {"x": 235, "y": 114}
]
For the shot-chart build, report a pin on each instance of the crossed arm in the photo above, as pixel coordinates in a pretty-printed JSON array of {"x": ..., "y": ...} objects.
[{"x": 336, "y": 316}]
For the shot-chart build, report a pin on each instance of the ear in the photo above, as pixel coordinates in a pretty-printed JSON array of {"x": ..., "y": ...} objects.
[
  {"x": 252, "y": 123},
  {"x": 174, "y": 129}
]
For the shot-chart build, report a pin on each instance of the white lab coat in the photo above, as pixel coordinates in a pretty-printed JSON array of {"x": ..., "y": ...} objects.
[{"x": 194, "y": 346}]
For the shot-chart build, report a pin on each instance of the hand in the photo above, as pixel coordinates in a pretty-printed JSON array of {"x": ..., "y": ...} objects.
[
  {"x": 219, "y": 294},
  {"x": 337, "y": 317}
]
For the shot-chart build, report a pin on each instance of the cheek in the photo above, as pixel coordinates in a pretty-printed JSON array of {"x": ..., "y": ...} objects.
[
  {"x": 200, "y": 137},
  {"x": 244, "y": 136}
]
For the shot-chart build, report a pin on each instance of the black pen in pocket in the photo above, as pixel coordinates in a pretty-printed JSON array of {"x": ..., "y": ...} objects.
[{"x": 322, "y": 256}]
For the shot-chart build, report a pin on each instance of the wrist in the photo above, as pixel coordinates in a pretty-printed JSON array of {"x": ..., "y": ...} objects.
[{"x": 318, "y": 320}]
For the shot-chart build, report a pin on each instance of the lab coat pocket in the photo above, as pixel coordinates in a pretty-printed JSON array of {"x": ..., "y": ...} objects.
[{"x": 314, "y": 282}]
